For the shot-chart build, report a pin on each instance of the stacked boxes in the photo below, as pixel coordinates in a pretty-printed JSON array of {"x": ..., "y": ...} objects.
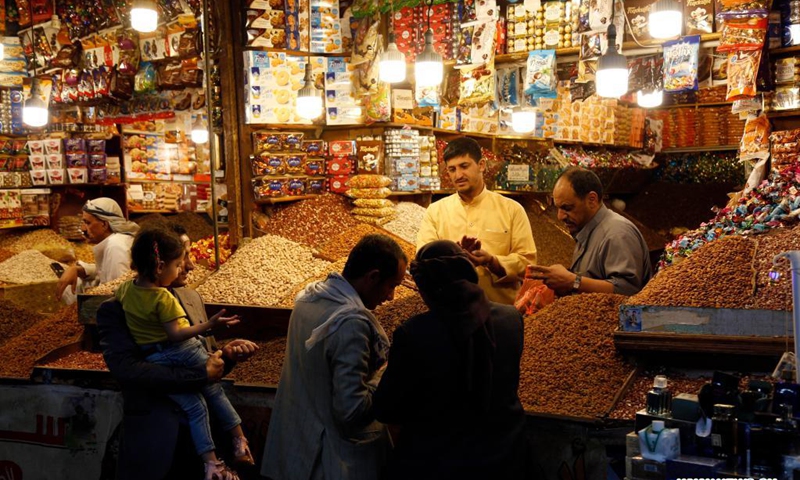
[
  {"x": 402, "y": 159},
  {"x": 553, "y": 25},
  {"x": 15, "y": 165},
  {"x": 279, "y": 164},
  {"x": 428, "y": 164},
  {"x": 340, "y": 164}
]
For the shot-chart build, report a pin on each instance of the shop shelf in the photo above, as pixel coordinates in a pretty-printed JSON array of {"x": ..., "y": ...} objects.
[
  {"x": 694, "y": 105},
  {"x": 784, "y": 50},
  {"x": 702, "y": 344},
  {"x": 719, "y": 148},
  {"x": 297, "y": 53},
  {"x": 795, "y": 112},
  {"x": 272, "y": 201},
  {"x": 255, "y": 127}
]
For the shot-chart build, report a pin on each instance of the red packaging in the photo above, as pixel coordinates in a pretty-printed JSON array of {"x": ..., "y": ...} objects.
[
  {"x": 338, "y": 183},
  {"x": 340, "y": 166},
  {"x": 342, "y": 147}
]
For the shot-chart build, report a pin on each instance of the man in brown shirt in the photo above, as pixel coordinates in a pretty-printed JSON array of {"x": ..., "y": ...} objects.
[{"x": 610, "y": 254}]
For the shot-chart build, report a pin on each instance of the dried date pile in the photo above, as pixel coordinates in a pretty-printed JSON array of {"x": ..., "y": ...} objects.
[
  {"x": 311, "y": 222},
  {"x": 264, "y": 367},
  {"x": 406, "y": 304},
  {"x": 718, "y": 275},
  {"x": 5, "y": 255},
  {"x": 777, "y": 295},
  {"x": 82, "y": 360},
  {"x": 262, "y": 272},
  {"x": 570, "y": 365},
  {"x": 15, "y": 320},
  {"x": 46, "y": 335}
]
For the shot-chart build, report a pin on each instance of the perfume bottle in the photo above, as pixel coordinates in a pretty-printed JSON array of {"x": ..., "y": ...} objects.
[{"x": 659, "y": 398}]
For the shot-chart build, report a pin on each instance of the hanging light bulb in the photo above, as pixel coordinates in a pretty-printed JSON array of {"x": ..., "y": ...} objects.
[
  {"x": 199, "y": 130},
  {"x": 523, "y": 121},
  {"x": 35, "y": 113},
  {"x": 144, "y": 16},
  {"x": 393, "y": 63},
  {"x": 309, "y": 101},
  {"x": 612, "y": 69},
  {"x": 666, "y": 19},
  {"x": 428, "y": 68},
  {"x": 649, "y": 100}
]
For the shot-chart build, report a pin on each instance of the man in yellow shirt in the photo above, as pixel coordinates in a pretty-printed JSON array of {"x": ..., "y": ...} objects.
[{"x": 492, "y": 229}]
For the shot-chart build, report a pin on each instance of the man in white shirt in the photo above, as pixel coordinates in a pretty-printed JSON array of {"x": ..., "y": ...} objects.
[{"x": 104, "y": 225}]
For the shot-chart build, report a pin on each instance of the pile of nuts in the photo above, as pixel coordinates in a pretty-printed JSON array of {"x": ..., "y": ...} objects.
[
  {"x": 311, "y": 222},
  {"x": 196, "y": 225},
  {"x": 262, "y": 272},
  {"x": 407, "y": 221},
  {"x": 718, "y": 275},
  {"x": 108, "y": 288},
  {"x": 569, "y": 365},
  {"x": 554, "y": 245},
  {"x": 14, "y": 320},
  {"x": 777, "y": 295},
  {"x": 5, "y": 255},
  {"x": 29, "y": 266},
  {"x": 339, "y": 246},
  {"x": 48, "y": 334},
  {"x": 34, "y": 239},
  {"x": 635, "y": 398},
  {"x": 83, "y": 252},
  {"x": 264, "y": 367},
  {"x": 406, "y": 304},
  {"x": 288, "y": 300},
  {"x": 82, "y": 360}
]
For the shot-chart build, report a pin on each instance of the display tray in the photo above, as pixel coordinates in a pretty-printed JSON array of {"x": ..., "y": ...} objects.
[
  {"x": 704, "y": 321},
  {"x": 36, "y": 297},
  {"x": 82, "y": 377}
]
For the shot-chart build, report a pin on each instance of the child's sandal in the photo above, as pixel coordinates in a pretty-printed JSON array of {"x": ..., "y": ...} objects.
[{"x": 241, "y": 452}]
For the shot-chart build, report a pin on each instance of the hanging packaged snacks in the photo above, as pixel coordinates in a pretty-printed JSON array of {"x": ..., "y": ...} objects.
[
  {"x": 366, "y": 41},
  {"x": 680, "y": 64},
  {"x": 755, "y": 141},
  {"x": 742, "y": 72},
  {"x": 743, "y": 9},
  {"x": 464, "y": 53},
  {"x": 508, "y": 87},
  {"x": 477, "y": 86},
  {"x": 743, "y": 34},
  {"x": 541, "y": 79},
  {"x": 483, "y": 43},
  {"x": 379, "y": 104}
]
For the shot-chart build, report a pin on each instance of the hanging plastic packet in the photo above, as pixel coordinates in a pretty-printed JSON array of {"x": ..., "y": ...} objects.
[
  {"x": 750, "y": 104},
  {"x": 427, "y": 96},
  {"x": 379, "y": 106},
  {"x": 755, "y": 141},
  {"x": 467, "y": 11},
  {"x": 540, "y": 78},
  {"x": 600, "y": 14},
  {"x": 591, "y": 46},
  {"x": 743, "y": 9},
  {"x": 464, "y": 53},
  {"x": 145, "y": 80},
  {"x": 508, "y": 91},
  {"x": 583, "y": 17},
  {"x": 366, "y": 41},
  {"x": 743, "y": 34},
  {"x": 483, "y": 43},
  {"x": 477, "y": 86},
  {"x": 680, "y": 64},
  {"x": 742, "y": 71}
]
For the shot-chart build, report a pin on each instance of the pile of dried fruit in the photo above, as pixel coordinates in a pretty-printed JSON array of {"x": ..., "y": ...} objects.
[
  {"x": 46, "y": 335},
  {"x": 264, "y": 367},
  {"x": 718, "y": 275},
  {"x": 407, "y": 221},
  {"x": 262, "y": 272},
  {"x": 554, "y": 245},
  {"x": 84, "y": 251},
  {"x": 570, "y": 365},
  {"x": 196, "y": 225},
  {"x": 288, "y": 300},
  {"x": 5, "y": 255},
  {"x": 203, "y": 252}
]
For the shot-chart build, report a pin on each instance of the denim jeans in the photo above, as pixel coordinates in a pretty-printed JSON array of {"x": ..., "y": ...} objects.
[{"x": 191, "y": 353}]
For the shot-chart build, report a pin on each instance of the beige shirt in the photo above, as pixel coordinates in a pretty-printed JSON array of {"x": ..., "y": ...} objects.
[{"x": 502, "y": 227}]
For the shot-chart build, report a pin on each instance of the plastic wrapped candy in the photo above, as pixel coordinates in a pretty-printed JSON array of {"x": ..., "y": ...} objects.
[{"x": 680, "y": 64}]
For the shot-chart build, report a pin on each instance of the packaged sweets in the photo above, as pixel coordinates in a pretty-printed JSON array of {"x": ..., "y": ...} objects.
[
  {"x": 755, "y": 141},
  {"x": 378, "y": 221},
  {"x": 680, "y": 64},
  {"x": 369, "y": 181},
  {"x": 742, "y": 73},
  {"x": 373, "y": 202},
  {"x": 374, "y": 212},
  {"x": 743, "y": 34},
  {"x": 369, "y": 192},
  {"x": 541, "y": 79},
  {"x": 477, "y": 86}
]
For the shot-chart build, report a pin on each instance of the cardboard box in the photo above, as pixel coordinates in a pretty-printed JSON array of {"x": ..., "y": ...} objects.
[
  {"x": 647, "y": 469},
  {"x": 698, "y": 16},
  {"x": 632, "y": 448}
]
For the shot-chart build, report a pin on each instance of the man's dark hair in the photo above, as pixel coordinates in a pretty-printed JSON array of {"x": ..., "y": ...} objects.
[
  {"x": 152, "y": 245},
  {"x": 374, "y": 252},
  {"x": 463, "y": 146},
  {"x": 583, "y": 181},
  {"x": 177, "y": 229}
]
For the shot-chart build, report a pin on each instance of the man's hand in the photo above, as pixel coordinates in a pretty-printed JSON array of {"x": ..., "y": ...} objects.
[
  {"x": 68, "y": 278},
  {"x": 239, "y": 350},
  {"x": 469, "y": 244},
  {"x": 482, "y": 258},
  {"x": 218, "y": 319},
  {"x": 556, "y": 277},
  {"x": 215, "y": 366}
]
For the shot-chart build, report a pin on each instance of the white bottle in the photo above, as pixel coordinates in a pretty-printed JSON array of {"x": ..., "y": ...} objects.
[{"x": 659, "y": 443}]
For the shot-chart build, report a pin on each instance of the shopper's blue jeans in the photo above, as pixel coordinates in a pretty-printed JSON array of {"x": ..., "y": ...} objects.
[{"x": 191, "y": 353}]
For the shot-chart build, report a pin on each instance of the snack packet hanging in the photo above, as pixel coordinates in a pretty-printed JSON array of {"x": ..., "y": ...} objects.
[
  {"x": 366, "y": 41},
  {"x": 379, "y": 106},
  {"x": 541, "y": 79},
  {"x": 680, "y": 64},
  {"x": 743, "y": 9},
  {"x": 742, "y": 71},
  {"x": 743, "y": 34},
  {"x": 464, "y": 52},
  {"x": 483, "y": 43},
  {"x": 755, "y": 141},
  {"x": 508, "y": 91},
  {"x": 477, "y": 86}
]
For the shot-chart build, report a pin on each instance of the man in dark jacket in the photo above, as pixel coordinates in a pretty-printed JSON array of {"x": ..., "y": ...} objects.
[
  {"x": 452, "y": 378},
  {"x": 155, "y": 440}
]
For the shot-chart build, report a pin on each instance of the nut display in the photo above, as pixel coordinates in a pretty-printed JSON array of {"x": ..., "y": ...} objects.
[
  {"x": 29, "y": 266},
  {"x": 35, "y": 239},
  {"x": 288, "y": 300},
  {"x": 774, "y": 295},
  {"x": 262, "y": 272},
  {"x": 14, "y": 320},
  {"x": 569, "y": 365},
  {"x": 311, "y": 222},
  {"x": 718, "y": 275},
  {"x": 81, "y": 360},
  {"x": 407, "y": 222},
  {"x": 339, "y": 246},
  {"x": 406, "y": 304},
  {"x": 264, "y": 367},
  {"x": 44, "y": 336},
  {"x": 108, "y": 288}
]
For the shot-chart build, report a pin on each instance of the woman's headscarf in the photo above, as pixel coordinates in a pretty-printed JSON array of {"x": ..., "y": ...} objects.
[
  {"x": 108, "y": 210},
  {"x": 449, "y": 285}
]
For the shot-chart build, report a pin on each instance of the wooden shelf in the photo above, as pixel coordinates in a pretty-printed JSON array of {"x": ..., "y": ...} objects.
[
  {"x": 137, "y": 211},
  {"x": 441, "y": 131},
  {"x": 272, "y": 201},
  {"x": 188, "y": 182},
  {"x": 784, "y": 113},
  {"x": 687, "y": 343},
  {"x": 408, "y": 194},
  {"x": 784, "y": 50},
  {"x": 694, "y": 105},
  {"x": 718, "y": 148},
  {"x": 64, "y": 185},
  {"x": 297, "y": 53},
  {"x": 254, "y": 127}
]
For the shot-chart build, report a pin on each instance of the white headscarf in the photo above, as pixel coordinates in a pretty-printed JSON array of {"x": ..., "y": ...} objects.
[{"x": 108, "y": 210}]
